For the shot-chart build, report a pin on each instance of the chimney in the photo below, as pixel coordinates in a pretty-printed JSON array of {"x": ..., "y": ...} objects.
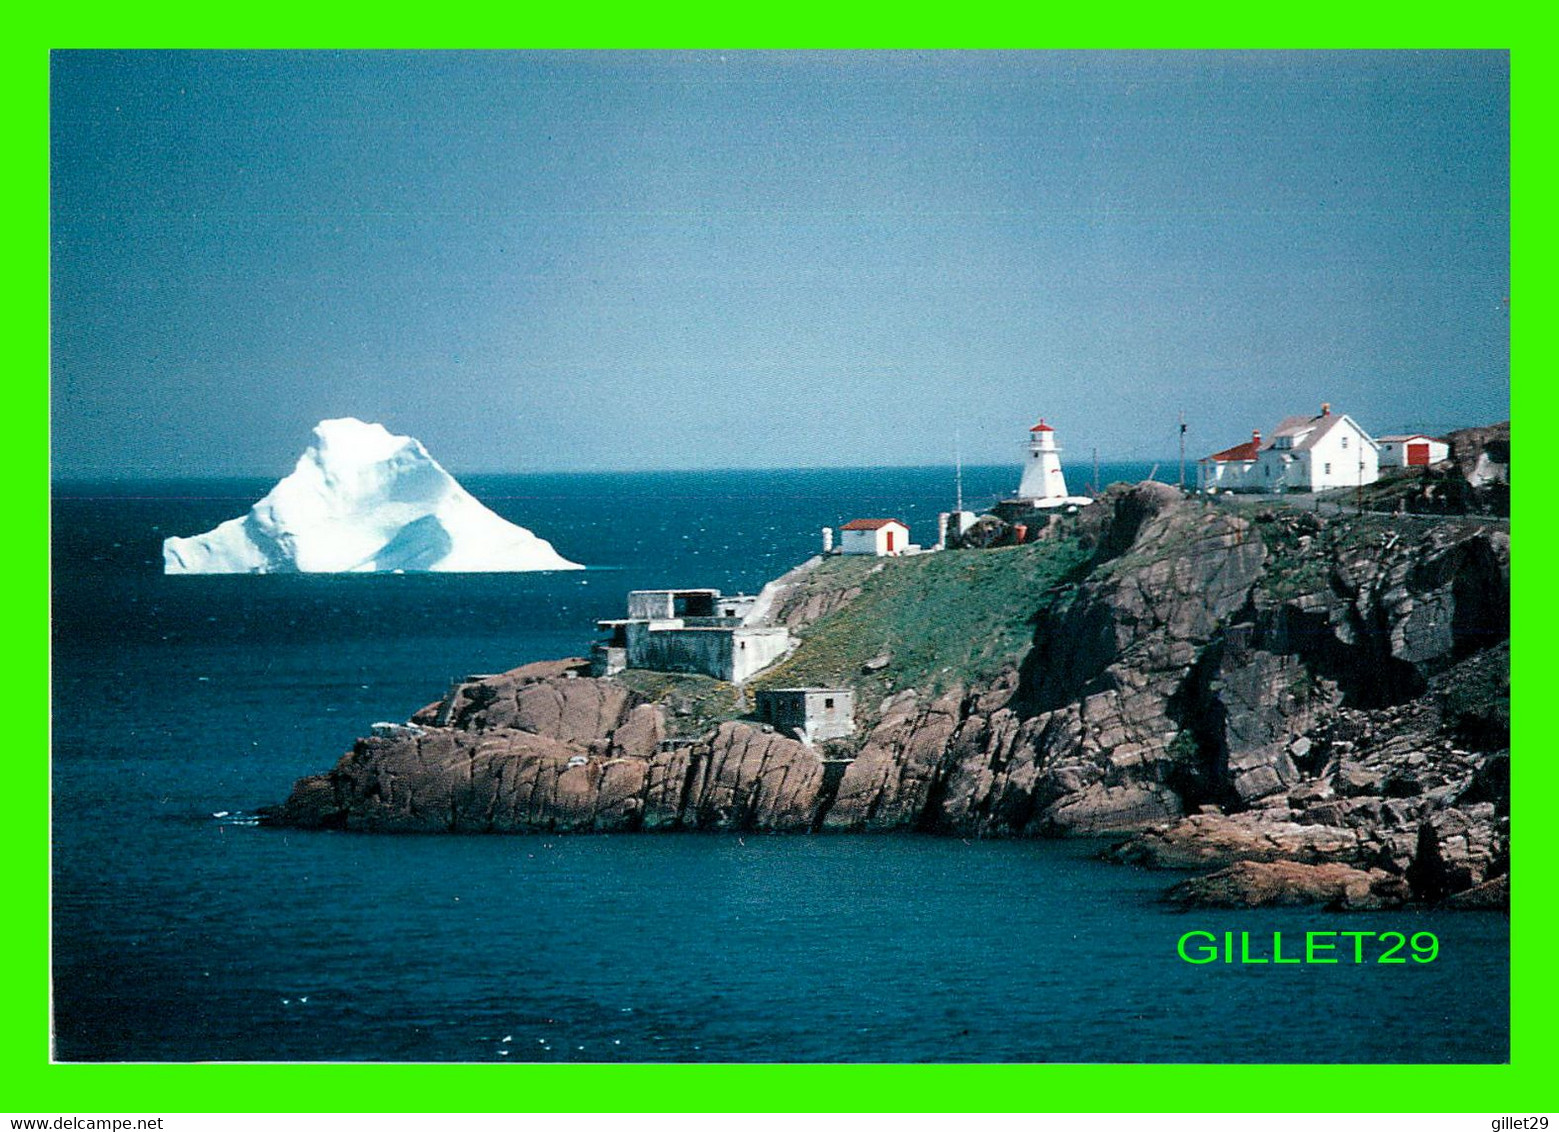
[
  {"x": 1255, "y": 437},
  {"x": 1326, "y": 408}
]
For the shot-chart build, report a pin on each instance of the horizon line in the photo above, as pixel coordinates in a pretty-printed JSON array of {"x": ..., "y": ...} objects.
[{"x": 103, "y": 477}]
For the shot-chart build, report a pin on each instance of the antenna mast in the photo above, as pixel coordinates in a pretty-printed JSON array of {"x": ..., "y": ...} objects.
[
  {"x": 958, "y": 463},
  {"x": 1182, "y": 449}
]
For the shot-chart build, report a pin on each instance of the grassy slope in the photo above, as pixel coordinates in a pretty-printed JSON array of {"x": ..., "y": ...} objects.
[{"x": 945, "y": 618}]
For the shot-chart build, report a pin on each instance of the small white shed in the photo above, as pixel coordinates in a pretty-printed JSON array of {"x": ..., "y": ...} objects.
[
  {"x": 880, "y": 537},
  {"x": 1412, "y": 450}
]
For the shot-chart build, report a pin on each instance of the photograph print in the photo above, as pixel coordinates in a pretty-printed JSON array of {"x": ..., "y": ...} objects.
[{"x": 780, "y": 557}]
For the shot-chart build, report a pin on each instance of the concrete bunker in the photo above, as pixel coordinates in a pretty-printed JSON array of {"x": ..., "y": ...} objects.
[
  {"x": 696, "y": 631},
  {"x": 812, "y": 715}
]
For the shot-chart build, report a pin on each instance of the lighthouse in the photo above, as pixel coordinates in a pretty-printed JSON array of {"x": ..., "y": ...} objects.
[{"x": 1042, "y": 483}]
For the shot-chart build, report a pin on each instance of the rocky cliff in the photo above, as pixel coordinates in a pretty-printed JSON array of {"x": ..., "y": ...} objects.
[
  {"x": 1473, "y": 480},
  {"x": 1227, "y": 686}
]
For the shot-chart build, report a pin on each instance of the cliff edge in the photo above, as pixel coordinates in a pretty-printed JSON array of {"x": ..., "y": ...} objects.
[{"x": 1222, "y": 686}]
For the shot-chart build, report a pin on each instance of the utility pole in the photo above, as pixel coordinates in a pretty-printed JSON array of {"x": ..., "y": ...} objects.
[
  {"x": 1096, "y": 471},
  {"x": 1182, "y": 449}
]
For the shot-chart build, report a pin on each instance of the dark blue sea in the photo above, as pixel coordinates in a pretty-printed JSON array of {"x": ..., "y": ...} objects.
[{"x": 183, "y": 933}]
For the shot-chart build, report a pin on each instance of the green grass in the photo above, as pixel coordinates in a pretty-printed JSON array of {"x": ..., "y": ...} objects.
[
  {"x": 693, "y": 703},
  {"x": 947, "y": 618}
]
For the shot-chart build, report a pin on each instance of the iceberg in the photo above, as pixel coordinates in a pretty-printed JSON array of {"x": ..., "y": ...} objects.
[{"x": 362, "y": 499}]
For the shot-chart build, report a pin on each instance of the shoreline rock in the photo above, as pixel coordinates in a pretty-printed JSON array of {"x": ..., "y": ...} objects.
[
  {"x": 1218, "y": 687},
  {"x": 1281, "y": 883}
]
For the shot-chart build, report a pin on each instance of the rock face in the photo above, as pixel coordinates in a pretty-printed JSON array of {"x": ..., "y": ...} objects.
[
  {"x": 1491, "y": 894},
  {"x": 1474, "y": 480},
  {"x": 1482, "y": 456},
  {"x": 1249, "y": 884},
  {"x": 543, "y": 748},
  {"x": 1271, "y": 688}
]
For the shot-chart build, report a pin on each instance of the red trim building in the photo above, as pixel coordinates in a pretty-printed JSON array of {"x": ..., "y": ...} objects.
[{"x": 880, "y": 537}]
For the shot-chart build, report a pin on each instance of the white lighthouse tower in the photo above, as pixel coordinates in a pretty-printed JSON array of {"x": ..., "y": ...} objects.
[{"x": 1042, "y": 483}]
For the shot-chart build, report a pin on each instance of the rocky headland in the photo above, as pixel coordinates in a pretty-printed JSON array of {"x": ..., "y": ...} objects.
[{"x": 1306, "y": 707}]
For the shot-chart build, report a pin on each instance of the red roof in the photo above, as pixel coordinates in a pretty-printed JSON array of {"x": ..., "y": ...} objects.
[
  {"x": 1246, "y": 451},
  {"x": 1042, "y": 426},
  {"x": 870, "y": 524}
]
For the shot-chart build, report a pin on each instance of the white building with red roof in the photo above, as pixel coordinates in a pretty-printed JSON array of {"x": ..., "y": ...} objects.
[
  {"x": 1230, "y": 469},
  {"x": 1316, "y": 453},
  {"x": 880, "y": 537},
  {"x": 1328, "y": 450},
  {"x": 1412, "y": 450}
]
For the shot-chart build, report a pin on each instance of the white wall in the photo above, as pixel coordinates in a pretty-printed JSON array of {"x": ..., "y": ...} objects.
[
  {"x": 1342, "y": 458},
  {"x": 1042, "y": 476},
  {"x": 873, "y": 542},
  {"x": 1280, "y": 469},
  {"x": 1266, "y": 474},
  {"x": 1225, "y": 475},
  {"x": 753, "y": 650},
  {"x": 1393, "y": 454}
]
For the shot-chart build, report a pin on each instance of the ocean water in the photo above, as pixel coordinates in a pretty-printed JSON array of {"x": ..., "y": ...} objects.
[{"x": 183, "y": 932}]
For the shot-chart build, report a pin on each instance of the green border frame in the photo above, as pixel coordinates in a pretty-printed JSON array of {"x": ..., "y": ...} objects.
[{"x": 32, "y": 1084}]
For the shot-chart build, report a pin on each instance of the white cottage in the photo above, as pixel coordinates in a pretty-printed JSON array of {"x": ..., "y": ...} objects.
[
  {"x": 1412, "y": 450},
  {"x": 1316, "y": 453},
  {"x": 1230, "y": 470},
  {"x": 881, "y": 537}
]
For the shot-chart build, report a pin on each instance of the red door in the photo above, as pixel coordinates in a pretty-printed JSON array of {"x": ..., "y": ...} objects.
[
  {"x": 889, "y": 533},
  {"x": 1418, "y": 455}
]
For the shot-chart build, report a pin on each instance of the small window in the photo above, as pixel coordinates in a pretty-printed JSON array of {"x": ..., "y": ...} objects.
[
  {"x": 1328, "y": 469},
  {"x": 1345, "y": 442},
  {"x": 829, "y": 702}
]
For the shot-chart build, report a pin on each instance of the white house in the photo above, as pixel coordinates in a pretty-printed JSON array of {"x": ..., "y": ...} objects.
[
  {"x": 1230, "y": 470},
  {"x": 880, "y": 537},
  {"x": 1412, "y": 450},
  {"x": 1316, "y": 453}
]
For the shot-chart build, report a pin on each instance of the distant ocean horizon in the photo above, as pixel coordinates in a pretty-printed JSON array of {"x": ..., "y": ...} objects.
[
  {"x": 1011, "y": 470},
  {"x": 559, "y": 506},
  {"x": 182, "y": 931}
]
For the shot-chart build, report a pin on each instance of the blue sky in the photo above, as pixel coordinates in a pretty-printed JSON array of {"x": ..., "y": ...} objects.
[{"x": 555, "y": 261}]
